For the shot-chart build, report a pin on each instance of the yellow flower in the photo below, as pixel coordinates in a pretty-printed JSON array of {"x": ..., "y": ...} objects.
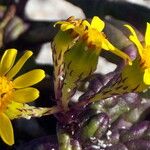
[
  {"x": 135, "y": 78},
  {"x": 92, "y": 34},
  {"x": 144, "y": 52},
  {"x": 14, "y": 92}
]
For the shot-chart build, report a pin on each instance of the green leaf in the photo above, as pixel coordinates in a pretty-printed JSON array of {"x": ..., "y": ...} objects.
[{"x": 61, "y": 43}]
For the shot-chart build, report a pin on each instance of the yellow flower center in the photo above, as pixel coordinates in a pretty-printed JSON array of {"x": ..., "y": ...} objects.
[
  {"x": 94, "y": 38},
  {"x": 6, "y": 88},
  {"x": 79, "y": 26}
]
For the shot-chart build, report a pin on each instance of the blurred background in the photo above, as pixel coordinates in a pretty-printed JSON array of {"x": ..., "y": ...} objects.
[{"x": 28, "y": 24}]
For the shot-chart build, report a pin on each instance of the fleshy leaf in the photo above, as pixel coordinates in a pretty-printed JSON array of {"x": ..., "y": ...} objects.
[
  {"x": 64, "y": 139},
  {"x": 96, "y": 125}
]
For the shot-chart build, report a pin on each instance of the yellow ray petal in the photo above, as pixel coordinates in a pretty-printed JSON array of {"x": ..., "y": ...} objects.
[
  {"x": 146, "y": 77},
  {"x": 16, "y": 68},
  {"x": 135, "y": 39},
  {"x": 28, "y": 79},
  {"x": 138, "y": 44},
  {"x": 147, "y": 35},
  {"x": 67, "y": 26},
  {"x": 97, "y": 23},
  {"x": 25, "y": 95},
  {"x": 59, "y": 22},
  {"x": 7, "y": 60},
  {"x": 6, "y": 129},
  {"x": 86, "y": 23},
  {"x": 106, "y": 45},
  {"x": 64, "y": 25},
  {"x": 131, "y": 30}
]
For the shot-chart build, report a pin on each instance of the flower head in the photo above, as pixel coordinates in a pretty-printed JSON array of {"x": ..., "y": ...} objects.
[
  {"x": 92, "y": 34},
  {"x": 15, "y": 91},
  {"x": 82, "y": 42},
  {"x": 144, "y": 52}
]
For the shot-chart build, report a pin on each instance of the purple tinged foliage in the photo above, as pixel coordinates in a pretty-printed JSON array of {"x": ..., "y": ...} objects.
[
  {"x": 118, "y": 146},
  {"x": 138, "y": 144},
  {"x": 114, "y": 123},
  {"x": 131, "y": 51},
  {"x": 135, "y": 132}
]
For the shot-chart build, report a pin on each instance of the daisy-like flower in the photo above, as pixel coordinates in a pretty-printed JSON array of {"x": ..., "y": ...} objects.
[
  {"x": 143, "y": 62},
  {"x": 135, "y": 78},
  {"x": 14, "y": 92},
  {"x": 76, "y": 49},
  {"x": 73, "y": 30},
  {"x": 92, "y": 34}
]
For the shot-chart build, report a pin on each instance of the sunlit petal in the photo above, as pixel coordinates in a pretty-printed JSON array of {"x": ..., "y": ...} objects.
[
  {"x": 16, "y": 68},
  {"x": 108, "y": 46},
  {"x": 28, "y": 79},
  {"x": 131, "y": 30},
  {"x": 146, "y": 77},
  {"x": 147, "y": 35},
  {"x": 25, "y": 95},
  {"x": 86, "y": 23},
  {"x": 7, "y": 60},
  {"x": 138, "y": 44},
  {"x": 135, "y": 39},
  {"x": 6, "y": 129},
  {"x": 97, "y": 23},
  {"x": 65, "y": 27}
]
